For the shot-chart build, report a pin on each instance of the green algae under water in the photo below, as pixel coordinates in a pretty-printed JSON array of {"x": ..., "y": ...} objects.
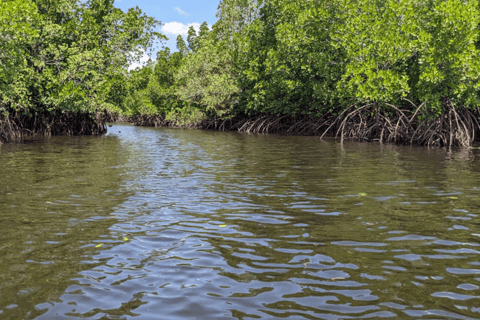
[{"x": 185, "y": 224}]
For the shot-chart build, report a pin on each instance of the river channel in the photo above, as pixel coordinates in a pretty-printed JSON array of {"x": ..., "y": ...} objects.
[{"x": 147, "y": 223}]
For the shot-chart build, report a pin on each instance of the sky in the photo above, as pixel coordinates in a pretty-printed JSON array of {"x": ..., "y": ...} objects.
[{"x": 176, "y": 16}]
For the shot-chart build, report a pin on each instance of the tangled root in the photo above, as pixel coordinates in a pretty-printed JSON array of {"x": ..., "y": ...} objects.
[
  {"x": 16, "y": 126},
  {"x": 158, "y": 121},
  {"x": 273, "y": 124},
  {"x": 456, "y": 126},
  {"x": 9, "y": 131},
  {"x": 148, "y": 121}
]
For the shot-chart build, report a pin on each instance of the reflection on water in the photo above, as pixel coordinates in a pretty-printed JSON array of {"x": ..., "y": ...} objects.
[{"x": 172, "y": 224}]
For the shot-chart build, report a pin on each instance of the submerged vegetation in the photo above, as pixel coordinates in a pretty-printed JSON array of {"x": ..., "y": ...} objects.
[{"x": 395, "y": 71}]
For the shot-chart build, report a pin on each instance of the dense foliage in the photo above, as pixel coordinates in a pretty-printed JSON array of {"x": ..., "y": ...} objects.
[
  {"x": 372, "y": 69},
  {"x": 66, "y": 59},
  {"x": 399, "y": 68}
]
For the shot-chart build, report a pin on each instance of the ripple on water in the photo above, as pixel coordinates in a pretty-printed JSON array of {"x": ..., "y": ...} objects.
[
  {"x": 463, "y": 271},
  {"x": 209, "y": 225}
]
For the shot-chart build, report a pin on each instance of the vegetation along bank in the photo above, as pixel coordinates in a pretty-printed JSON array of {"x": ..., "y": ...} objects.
[{"x": 395, "y": 71}]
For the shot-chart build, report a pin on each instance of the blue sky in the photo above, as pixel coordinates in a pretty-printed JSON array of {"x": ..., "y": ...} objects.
[{"x": 176, "y": 16}]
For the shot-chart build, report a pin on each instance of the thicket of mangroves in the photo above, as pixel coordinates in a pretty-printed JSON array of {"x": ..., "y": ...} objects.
[
  {"x": 63, "y": 64},
  {"x": 404, "y": 71}
]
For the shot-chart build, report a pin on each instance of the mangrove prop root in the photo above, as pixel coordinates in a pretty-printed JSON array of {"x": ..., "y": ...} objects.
[
  {"x": 16, "y": 126},
  {"x": 158, "y": 121},
  {"x": 456, "y": 126},
  {"x": 9, "y": 131}
]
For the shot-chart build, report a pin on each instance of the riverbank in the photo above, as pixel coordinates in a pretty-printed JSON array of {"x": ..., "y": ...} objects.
[
  {"x": 16, "y": 126},
  {"x": 453, "y": 127}
]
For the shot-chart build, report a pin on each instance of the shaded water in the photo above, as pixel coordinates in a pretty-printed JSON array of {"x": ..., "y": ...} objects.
[{"x": 169, "y": 224}]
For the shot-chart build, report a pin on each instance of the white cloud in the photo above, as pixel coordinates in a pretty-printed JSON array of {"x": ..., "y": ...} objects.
[
  {"x": 177, "y": 28},
  {"x": 143, "y": 61},
  {"x": 181, "y": 12}
]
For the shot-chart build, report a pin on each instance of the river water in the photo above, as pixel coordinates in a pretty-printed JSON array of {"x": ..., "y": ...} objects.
[{"x": 147, "y": 223}]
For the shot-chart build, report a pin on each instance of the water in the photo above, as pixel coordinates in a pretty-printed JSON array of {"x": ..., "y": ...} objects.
[{"x": 169, "y": 224}]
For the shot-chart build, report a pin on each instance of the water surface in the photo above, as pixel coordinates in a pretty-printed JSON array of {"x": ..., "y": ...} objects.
[{"x": 185, "y": 224}]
